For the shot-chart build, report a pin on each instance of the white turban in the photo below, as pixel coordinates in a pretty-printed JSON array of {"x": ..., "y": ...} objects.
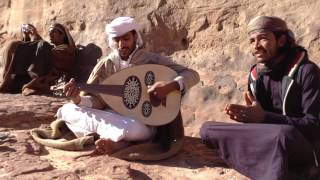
[{"x": 120, "y": 26}]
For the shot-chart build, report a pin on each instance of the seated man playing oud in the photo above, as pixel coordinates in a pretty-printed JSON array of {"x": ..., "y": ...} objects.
[{"x": 88, "y": 114}]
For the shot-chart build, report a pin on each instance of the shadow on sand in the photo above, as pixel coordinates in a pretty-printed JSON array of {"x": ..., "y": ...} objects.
[{"x": 193, "y": 155}]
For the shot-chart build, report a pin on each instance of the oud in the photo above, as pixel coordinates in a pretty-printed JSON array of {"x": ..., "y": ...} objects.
[{"x": 126, "y": 93}]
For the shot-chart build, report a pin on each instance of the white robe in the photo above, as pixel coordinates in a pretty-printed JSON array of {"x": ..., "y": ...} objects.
[
  {"x": 108, "y": 124},
  {"x": 83, "y": 120}
]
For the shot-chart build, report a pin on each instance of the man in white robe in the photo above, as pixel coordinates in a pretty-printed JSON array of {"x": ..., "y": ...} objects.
[{"x": 88, "y": 114}]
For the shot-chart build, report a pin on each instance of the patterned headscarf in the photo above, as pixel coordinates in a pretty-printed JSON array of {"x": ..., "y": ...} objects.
[{"x": 270, "y": 23}]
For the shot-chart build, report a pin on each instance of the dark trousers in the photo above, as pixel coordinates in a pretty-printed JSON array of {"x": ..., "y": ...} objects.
[{"x": 258, "y": 151}]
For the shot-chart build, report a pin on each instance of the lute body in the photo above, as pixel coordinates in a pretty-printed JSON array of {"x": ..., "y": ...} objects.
[{"x": 126, "y": 93}]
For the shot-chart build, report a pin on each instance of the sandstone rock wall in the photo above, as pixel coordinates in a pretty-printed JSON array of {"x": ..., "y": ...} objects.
[{"x": 207, "y": 35}]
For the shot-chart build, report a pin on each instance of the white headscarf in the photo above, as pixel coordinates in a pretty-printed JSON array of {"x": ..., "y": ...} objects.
[{"x": 120, "y": 26}]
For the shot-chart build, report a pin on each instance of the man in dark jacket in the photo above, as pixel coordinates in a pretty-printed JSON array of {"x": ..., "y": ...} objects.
[{"x": 281, "y": 116}]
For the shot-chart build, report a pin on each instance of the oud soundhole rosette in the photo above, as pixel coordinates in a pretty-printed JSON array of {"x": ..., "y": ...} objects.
[
  {"x": 149, "y": 78},
  {"x": 146, "y": 109},
  {"x": 132, "y": 92}
]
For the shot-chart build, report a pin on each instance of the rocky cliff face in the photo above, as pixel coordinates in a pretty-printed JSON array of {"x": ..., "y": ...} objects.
[{"x": 206, "y": 35}]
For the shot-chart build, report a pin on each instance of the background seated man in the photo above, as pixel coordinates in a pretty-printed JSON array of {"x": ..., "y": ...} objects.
[
  {"x": 29, "y": 33},
  {"x": 59, "y": 65},
  {"x": 83, "y": 116},
  {"x": 31, "y": 66},
  {"x": 281, "y": 117},
  {"x": 17, "y": 56}
]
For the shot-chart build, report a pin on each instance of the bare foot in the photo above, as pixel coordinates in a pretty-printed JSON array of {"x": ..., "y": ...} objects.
[{"x": 104, "y": 146}]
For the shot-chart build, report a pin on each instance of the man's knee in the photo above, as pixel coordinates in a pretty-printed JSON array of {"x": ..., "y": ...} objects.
[
  {"x": 288, "y": 135},
  {"x": 66, "y": 110},
  {"x": 286, "y": 131},
  {"x": 204, "y": 130},
  {"x": 210, "y": 129},
  {"x": 69, "y": 107},
  {"x": 208, "y": 134},
  {"x": 138, "y": 132}
]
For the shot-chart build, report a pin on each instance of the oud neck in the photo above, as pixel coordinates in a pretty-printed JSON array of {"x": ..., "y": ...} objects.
[{"x": 115, "y": 90}]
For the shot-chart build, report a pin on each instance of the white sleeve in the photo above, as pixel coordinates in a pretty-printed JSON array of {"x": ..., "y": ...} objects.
[
  {"x": 85, "y": 101},
  {"x": 179, "y": 80}
]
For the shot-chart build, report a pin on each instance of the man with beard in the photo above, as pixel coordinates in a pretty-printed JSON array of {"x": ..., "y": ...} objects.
[
  {"x": 117, "y": 131},
  {"x": 280, "y": 121}
]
